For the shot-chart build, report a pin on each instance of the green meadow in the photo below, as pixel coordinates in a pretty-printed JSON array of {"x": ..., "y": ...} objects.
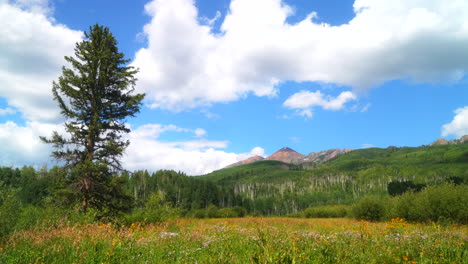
[{"x": 242, "y": 240}]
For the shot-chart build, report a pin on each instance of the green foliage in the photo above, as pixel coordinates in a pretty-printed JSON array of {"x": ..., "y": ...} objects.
[
  {"x": 155, "y": 211},
  {"x": 399, "y": 187},
  {"x": 214, "y": 212},
  {"x": 370, "y": 208},
  {"x": 250, "y": 240},
  {"x": 103, "y": 191},
  {"x": 10, "y": 209},
  {"x": 46, "y": 218},
  {"x": 276, "y": 188},
  {"x": 435, "y": 203},
  {"x": 331, "y": 211},
  {"x": 95, "y": 96},
  {"x": 179, "y": 190}
]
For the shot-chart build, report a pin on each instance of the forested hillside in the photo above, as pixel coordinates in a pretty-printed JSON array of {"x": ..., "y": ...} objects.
[
  {"x": 273, "y": 187},
  {"x": 265, "y": 187}
]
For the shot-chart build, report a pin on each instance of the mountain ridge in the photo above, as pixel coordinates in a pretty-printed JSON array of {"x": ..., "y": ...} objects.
[{"x": 290, "y": 156}]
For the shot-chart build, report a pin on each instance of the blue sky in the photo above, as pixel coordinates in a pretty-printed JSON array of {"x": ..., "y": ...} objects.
[{"x": 228, "y": 79}]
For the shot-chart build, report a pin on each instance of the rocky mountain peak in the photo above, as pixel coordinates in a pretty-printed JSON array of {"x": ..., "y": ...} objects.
[
  {"x": 439, "y": 141},
  {"x": 286, "y": 149},
  {"x": 325, "y": 155},
  {"x": 287, "y": 155}
]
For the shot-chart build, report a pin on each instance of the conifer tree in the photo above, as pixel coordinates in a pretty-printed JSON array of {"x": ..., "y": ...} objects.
[{"x": 95, "y": 95}]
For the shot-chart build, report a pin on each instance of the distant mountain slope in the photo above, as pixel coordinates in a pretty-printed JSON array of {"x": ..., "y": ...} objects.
[
  {"x": 275, "y": 187},
  {"x": 441, "y": 141},
  {"x": 247, "y": 161},
  {"x": 392, "y": 161},
  {"x": 325, "y": 155},
  {"x": 241, "y": 172},
  {"x": 287, "y": 155}
]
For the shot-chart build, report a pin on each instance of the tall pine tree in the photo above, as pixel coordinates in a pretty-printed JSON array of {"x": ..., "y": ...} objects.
[{"x": 95, "y": 95}]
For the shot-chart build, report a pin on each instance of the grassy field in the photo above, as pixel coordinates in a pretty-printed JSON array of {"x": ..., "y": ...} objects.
[{"x": 245, "y": 240}]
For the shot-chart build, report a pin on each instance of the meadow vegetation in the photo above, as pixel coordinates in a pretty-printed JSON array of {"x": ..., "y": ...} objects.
[
  {"x": 241, "y": 240},
  {"x": 375, "y": 211}
]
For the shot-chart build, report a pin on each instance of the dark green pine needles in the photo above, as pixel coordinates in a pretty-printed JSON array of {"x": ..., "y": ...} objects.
[{"x": 95, "y": 95}]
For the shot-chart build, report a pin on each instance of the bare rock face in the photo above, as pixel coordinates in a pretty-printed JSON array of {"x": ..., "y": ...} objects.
[
  {"x": 287, "y": 155},
  {"x": 247, "y": 161},
  {"x": 464, "y": 139},
  {"x": 439, "y": 141},
  {"x": 326, "y": 155}
]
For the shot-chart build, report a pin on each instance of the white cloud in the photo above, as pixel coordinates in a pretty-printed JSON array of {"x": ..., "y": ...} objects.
[
  {"x": 306, "y": 100},
  {"x": 21, "y": 144},
  {"x": 364, "y": 146},
  {"x": 199, "y": 132},
  {"x": 366, "y": 108},
  {"x": 193, "y": 157},
  {"x": 33, "y": 6},
  {"x": 7, "y": 111},
  {"x": 187, "y": 65},
  {"x": 32, "y": 48},
  {"x": 459, "y": 124}
]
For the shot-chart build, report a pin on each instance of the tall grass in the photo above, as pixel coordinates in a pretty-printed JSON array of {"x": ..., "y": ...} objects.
[{"x": 246, "y": 240}]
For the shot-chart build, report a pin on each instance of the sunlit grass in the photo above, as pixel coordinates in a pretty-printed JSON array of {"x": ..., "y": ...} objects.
[{"x": 245, "y": 240}]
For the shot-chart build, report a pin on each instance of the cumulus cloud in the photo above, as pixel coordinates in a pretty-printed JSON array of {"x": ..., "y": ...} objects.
[
  {"x": 21, "y": 144},
  {"x": 33, "y": 6},
  {"x": 187, "y": 65},
  {"x": 193, "y": 157},
  {"x": 304, "y": 101},
  {"x": 32, "y": 48},
  {"x": 459, "y": 125}
]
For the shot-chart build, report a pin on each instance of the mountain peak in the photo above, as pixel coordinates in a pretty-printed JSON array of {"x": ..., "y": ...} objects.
[
  {"x": 287, "y": 155},
  {"x": 286, "y": 149},
  {"x": 439, "y": 141}
]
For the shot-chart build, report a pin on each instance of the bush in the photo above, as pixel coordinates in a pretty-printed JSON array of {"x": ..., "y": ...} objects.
[
  {"x": 240, "y": 211},
  {"x": 395, "y": 188},
  {"x": 155, "y": 211},
  {"x": 227, "y": 213},
  {"x": 10, "y": 209},
  {"x": 199, "y": 213},
  {"x": 370, "y": 208},
  {"x": 333, "y": 211},
  {"x": 446, "y": 203}
]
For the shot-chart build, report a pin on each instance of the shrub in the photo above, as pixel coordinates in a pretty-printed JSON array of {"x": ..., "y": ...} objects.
[
  {"x": 10, "y": 209},
  {"x": 227, "y": 213},
  {"x": 395, "y": 188},
  {"x": 446, "y": 203},
  {"x": 199, "y": 213},
  {"x": 333, "y": 211},
  {"x": 370, "y": 208},
  {"x": 240, "y": 211},
  {"x": 155, "y": 211},
  {"x": 212, "y": 211}
]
